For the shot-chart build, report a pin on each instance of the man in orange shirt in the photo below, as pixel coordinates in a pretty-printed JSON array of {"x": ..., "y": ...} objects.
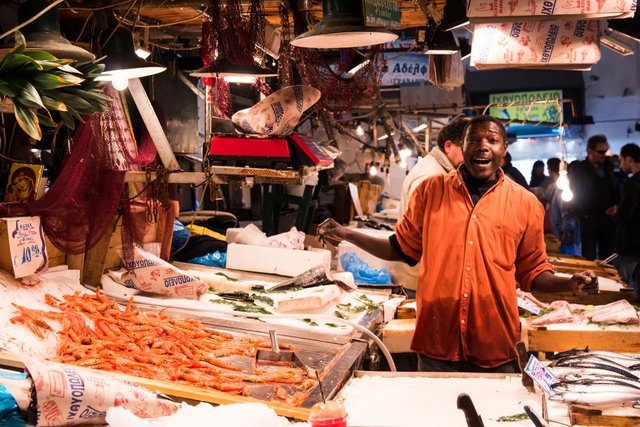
[{"x": 475, "y": 234}]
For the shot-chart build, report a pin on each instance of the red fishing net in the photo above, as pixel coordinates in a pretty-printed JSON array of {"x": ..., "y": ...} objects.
[
  {"x": 341, "y": 91},
  {"x": 83, "y": 202}
]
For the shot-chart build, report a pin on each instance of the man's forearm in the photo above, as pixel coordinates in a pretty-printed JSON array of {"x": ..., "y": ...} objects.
[
  {"x": 549, "y": 282},
  {"x": 376, "y": 246}
]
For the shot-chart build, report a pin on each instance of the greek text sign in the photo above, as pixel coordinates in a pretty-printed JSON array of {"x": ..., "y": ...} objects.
[
  {"x": 549, "y": 110},
  {"x": 26, "y": 245}
]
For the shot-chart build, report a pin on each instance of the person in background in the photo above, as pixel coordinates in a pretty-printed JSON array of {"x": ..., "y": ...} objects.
[
  {"x": 594, "y": 199},
  {"x": 538, "y": 178},
  {"x": 443, "y": 158},
  {"x": 476, "y": 234},
  {"x": 560, "y": 220},
  {"x": 512, "y": 172},
  {"x": 628, "y": 217}
]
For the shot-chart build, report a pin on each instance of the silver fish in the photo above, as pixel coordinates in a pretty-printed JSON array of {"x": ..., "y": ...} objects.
[
  {"x": 592, "y": 367},
  {"x": 604, "y": 397},
  {"x": 625, "y": 360}
]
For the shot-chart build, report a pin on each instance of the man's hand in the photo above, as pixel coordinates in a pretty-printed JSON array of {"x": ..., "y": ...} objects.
[
  {"x": 329, "y": 231},
  {"x": 584, "y": 283}
]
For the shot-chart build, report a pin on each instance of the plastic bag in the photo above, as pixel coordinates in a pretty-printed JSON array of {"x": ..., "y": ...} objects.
[
  {"x": 180, "y": 235},
  {"x": 362, "y": 272},
  {"x": 215, "y": 259}
]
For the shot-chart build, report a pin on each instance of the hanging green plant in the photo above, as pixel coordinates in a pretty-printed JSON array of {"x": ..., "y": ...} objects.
[{"x": 46, "y": 90}]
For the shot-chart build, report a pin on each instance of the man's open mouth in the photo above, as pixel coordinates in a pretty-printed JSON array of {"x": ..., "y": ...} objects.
[{"x": 482, "y": 161}]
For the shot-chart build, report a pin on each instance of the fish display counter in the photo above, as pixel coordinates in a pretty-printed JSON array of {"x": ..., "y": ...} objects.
[
  {"x": 181, "y": 348},
  {"x": 561, "y": 326}
]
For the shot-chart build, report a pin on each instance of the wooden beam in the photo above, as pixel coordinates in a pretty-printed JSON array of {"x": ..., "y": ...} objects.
[
  {"x": 152, "y": 123},
  {"x": 95, "y": 258},
  {"x": 415, "y": 141}
]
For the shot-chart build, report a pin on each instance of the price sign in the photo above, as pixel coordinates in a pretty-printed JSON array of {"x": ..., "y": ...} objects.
[{"x": 26, "y": 245}]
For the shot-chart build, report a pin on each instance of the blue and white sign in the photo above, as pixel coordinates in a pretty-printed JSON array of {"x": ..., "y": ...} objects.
[
  {"x": 26, "y": 245},
  {"x": 406, "y": 70}
]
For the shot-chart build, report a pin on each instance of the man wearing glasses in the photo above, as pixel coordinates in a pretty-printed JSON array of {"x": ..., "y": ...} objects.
[{"x": 595, "y": 197}]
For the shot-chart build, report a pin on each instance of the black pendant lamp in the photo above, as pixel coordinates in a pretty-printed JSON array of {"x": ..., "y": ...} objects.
[
  {"x": 44, "y": 32},
  {"x": 234, "y": 73},
  {"x": 122, "y": 63},
  {"x": 455, "y": 15},
  {"x": 342, "y": 26}
]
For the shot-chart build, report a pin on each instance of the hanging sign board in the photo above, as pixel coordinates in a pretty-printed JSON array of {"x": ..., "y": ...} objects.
[
  {"x": 381, "y": 13},
  {"x": 27, "y": 250},
  {"x": 406, "y": 70},
  {"x": 536, "y": 44},
  {"x": 549, "y": 110},
  {"x": 514, "y": 10}
]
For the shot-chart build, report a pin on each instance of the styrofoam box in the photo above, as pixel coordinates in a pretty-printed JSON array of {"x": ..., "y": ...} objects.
[{"x": 270, "y": 260}]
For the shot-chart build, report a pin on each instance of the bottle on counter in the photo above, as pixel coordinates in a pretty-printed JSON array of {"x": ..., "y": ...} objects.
[{"x": 328, "y": 414}]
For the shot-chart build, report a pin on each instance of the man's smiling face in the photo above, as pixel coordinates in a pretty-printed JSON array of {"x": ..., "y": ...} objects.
[{"x": 484, "y": 147}]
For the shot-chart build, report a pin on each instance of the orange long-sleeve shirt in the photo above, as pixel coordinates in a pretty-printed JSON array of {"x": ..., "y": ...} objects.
[{"x": 471, "y": 258}]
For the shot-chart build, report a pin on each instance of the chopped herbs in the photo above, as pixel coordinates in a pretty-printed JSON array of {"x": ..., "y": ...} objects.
[
  {"x": 513, "y": 418},
  {"x": 264, "y": 299},
  {"x": 222, "y": 301},
  {"x": 310, "y": 322},
  {"x": 332, "y": 325},
  {"x": 231, "y": 279},
  {"x": 250, "y": 308},
  {"x": 339, "y": 315},
  {"x": 350, "y": 308}
]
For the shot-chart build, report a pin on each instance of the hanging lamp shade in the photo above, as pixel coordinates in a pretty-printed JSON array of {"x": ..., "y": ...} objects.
[
  {"x": 231, "y": 70},
  {"x": 455, "y": 15},
  {"x": 44, "y": 32},
  {"x": 122, "y": 61},
  {"x": 441, "y": 43},
  {"x": 342, "y": 26}
]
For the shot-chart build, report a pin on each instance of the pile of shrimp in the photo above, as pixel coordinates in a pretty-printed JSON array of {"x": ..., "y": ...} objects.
[{"x": 97, "y": 333}]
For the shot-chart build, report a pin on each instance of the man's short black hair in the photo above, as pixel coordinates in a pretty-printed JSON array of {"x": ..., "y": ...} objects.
[
  {"x": 453, "y": 132},
  {"x": 593, "y": 142},
  {"x": 538, "y": 163},
  {"x": 631, "y": 150},
  {"x": 485, "y": 119},
  {"x": 553, "y": 164}
]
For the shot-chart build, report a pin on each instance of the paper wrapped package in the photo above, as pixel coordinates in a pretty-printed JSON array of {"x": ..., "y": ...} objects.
[
  {"x": 152, "y": 274},
  {"x": 68, "y": 396},
  {"x": 278, "y": 114},
  {"x": 532, "y": 44},
  {"x": 499, "y": 10}
]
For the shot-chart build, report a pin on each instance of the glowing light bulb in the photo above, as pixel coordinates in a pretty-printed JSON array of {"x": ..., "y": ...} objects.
[
  {"x": 563, "y": 180},
  {"x": 403, "y": 163},
  {"x": 566, "y": 195},
  {"x": 373, "y": 170},
  {"x": 120, "y": 82},
  {"x": 405, "y": 153},
  {"x": 359, "y": 130}
]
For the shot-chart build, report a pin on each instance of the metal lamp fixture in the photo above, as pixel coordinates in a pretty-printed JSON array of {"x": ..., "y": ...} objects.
[
  {"x": 122, "y": 63},
  {"x": 44, "y": 32},
  {"x": 441, "y": 42},
  {"x": 465, "y": 48},
  {"x": 455, "y": 15},
  {"x": 234, "y": 73},
  {"x": 342, "y": 26}
]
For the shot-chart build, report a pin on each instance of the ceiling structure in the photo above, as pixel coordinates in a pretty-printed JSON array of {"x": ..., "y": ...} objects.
[{"x": 176, "y": 24}]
